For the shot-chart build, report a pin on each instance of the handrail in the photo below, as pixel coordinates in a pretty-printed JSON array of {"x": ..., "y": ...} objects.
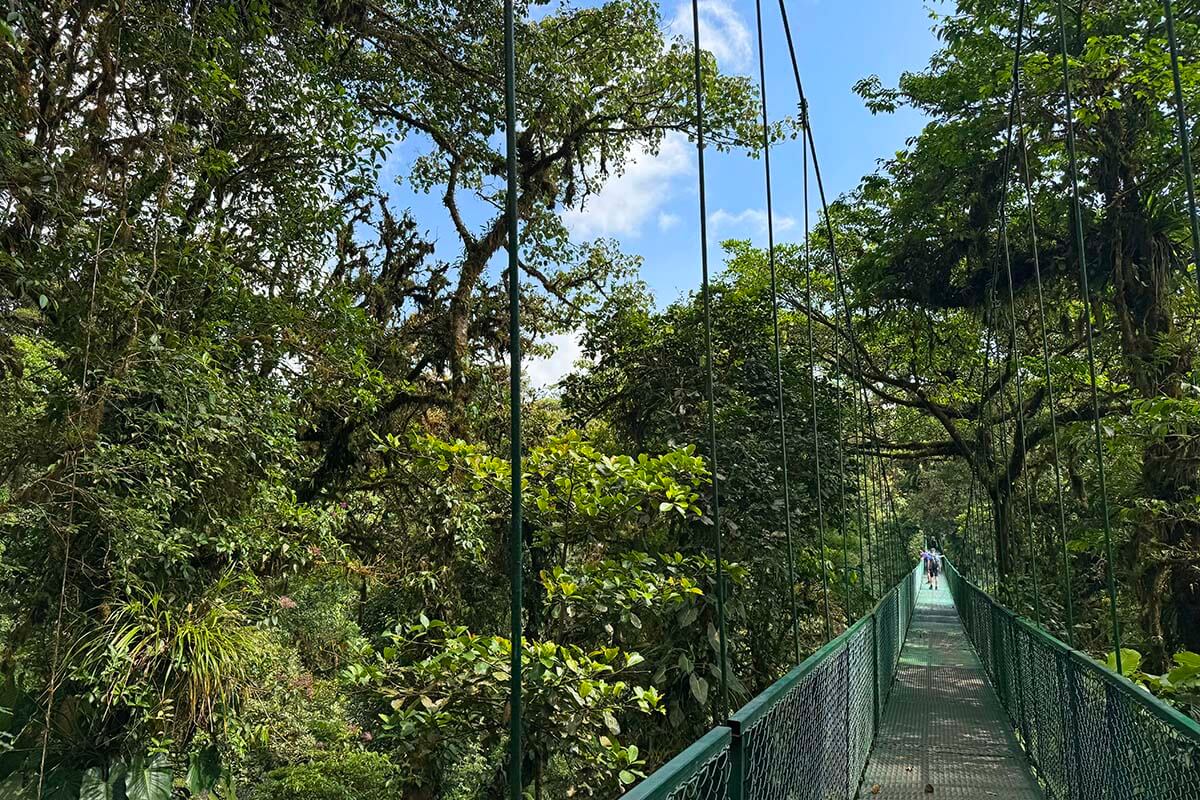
[
  {"x": 702, "y": 770},
  {"x": 767, "y": 744},
  {"x": 1088, "y": 731}
]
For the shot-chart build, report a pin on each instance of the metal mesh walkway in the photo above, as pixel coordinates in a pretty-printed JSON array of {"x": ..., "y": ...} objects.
[{"x": 943, "y": 727}]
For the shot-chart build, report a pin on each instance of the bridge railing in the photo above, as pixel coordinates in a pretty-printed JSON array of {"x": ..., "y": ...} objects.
[
  {"x": 813, "y": 728},
  {"x": 1088, "y": 732}
]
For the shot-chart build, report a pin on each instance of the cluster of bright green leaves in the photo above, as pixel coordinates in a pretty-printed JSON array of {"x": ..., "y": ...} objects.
[
  {"x": 1181, "y": 683},
  {"x": 442, "y": 682},
  {"x": 634, "y": 581}
]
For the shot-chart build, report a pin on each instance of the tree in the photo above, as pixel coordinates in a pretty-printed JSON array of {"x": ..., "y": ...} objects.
[{"x": 934, "y": 213}]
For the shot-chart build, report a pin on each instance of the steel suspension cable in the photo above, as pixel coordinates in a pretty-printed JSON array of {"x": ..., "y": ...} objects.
[
  {"x": 828, "y": 222},
  {"x": 516, "y": 549},
  {"x": 968, "y": 526},
  {"x": 998, "y": 565},
  {"x": 783, "y": 446},
  {"x": 891, "y": 518},
  {"x": 1080, "y": 246},
  {"x": 861, "y": 528},
  {"x": 1050, "y": 398},
  {"x": 812, "y": 373},
  {"x": 723, "y": 650},
  {"x": 812, "y": 150},
  {"x": 1184, "y": 144},
  {"x": 1021, "y": 433},
  {"x": 841, "y": 449},
  {"x": 866, "y": 494}
]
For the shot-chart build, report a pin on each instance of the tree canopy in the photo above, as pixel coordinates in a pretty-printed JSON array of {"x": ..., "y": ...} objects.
[{"x": 253, "y": 475}]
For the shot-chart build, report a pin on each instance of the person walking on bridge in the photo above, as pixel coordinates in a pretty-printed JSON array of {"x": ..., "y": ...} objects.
[{"x": 935, "y": 567}]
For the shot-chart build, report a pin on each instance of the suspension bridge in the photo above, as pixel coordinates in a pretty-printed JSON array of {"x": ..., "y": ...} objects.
[{"x": 933, "y": 692}]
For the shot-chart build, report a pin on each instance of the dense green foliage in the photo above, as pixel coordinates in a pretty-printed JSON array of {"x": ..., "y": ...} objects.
[
  {"x": 933, "y": 266},
  {"x": 253, "y": 492}
]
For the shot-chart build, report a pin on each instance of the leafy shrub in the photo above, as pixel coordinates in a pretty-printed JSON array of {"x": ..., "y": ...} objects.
[{"x": 352, "y": 777}]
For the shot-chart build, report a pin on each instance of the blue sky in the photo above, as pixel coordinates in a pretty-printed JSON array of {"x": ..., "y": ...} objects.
[{"x": 652, "y": 209}]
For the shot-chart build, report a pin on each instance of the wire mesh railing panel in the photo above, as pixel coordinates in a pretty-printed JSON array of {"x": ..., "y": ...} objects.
[
  {"x": 1024, "y": 685},
  {"x": 1089, "y": 733},
  {"x": 807, "y": 736},
  {"x": 710, "y": 782},
  {"x": 887, "y": 644},
  {"x": 1089, "y": 727},
  {"x": 1047, "y": 689},
  {"x": 861, "y": 699},
  {"x": 797, "y": 749},
  {"x": 701, "y": 772}
]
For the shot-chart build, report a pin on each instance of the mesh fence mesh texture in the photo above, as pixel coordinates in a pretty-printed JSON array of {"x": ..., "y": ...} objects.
[
  {"x": 1088, "y": 733},
  {"x": 808, "y": 736}
]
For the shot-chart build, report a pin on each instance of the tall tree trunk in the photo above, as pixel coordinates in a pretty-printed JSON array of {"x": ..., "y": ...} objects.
[{"x": 1002, "y": 516}]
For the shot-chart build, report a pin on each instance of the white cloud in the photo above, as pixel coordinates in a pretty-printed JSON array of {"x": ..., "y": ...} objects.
[
  {"x": 722, "y": 32},
  {"x": 666, "y": 221},
  {"x": 749, "y": 223},
  {"x": 544, "y": 372},
  {"x": 629, "y": 200}
]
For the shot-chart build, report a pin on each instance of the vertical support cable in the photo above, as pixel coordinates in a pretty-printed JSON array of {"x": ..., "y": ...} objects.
[
  {"x": 833, "y": 254},
  {"x": 1185, "y": 146},
  {"x": 984, "y": 404},
  {"x": 723, "y": 653},
  {"x": 1050, "y": 398},
  {"x": 867, "y": 497},
  {"x": 516, "y": 551},
  {"x": 1080, "y": 247},
  {"x": 969, "y": 544},
  {"x": 841, "y": 438},
  {"x": 812, "y": 373},
  {"x": 1021, "y": 434},
  {"x": 783, "y": 447}
]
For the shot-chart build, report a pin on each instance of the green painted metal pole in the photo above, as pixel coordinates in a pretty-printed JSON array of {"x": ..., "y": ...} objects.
[
  {"x": 782, "y": 410},
  {"x": 723, "y": 651},
  {"x": 1080, "y": 246},
  {"x": 516, "y": 549},
  {"x": 1185, "y": 146}
]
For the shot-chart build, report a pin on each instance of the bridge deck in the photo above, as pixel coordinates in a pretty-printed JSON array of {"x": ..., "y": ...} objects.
[{"x": 943, "y": 726}]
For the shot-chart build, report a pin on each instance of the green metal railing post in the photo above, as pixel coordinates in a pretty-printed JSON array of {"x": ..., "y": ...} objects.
[
  {"x": 876, "y": 699},
  {"x": 516, "y": 549}
]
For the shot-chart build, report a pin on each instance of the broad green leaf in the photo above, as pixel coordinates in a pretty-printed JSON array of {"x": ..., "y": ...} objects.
[
  {"x": 1130, "y": 660},
  {"x": 204, "y": 768},
  {"x": 95, "y": 787},
  {"x": 149, "y": 778},
  {"x": 1187, "y": 658}
]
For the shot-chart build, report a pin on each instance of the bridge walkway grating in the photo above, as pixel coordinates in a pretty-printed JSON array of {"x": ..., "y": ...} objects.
[{"x": 943, "y": 726}]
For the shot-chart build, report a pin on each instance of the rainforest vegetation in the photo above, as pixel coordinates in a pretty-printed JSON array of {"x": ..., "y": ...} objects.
[{"x": 253, "y": 419}]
